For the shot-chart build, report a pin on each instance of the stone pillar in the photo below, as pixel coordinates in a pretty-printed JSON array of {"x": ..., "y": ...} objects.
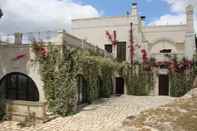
[{"x": 137, "y": 31}]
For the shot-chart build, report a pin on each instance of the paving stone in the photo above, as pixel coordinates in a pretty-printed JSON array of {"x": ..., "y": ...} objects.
[{"x": 107, "y": 115}]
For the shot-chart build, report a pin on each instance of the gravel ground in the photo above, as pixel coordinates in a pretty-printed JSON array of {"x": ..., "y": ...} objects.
[{"x": 103, "y": 115}]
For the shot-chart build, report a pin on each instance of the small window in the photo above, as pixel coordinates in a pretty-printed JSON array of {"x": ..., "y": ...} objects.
[
  {"x": 108, "y": 48},
  {"x": 166, "y": 51}
]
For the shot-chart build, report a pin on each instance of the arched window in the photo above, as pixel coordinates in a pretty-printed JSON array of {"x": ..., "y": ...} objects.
[{"x": 18, "y": 86}]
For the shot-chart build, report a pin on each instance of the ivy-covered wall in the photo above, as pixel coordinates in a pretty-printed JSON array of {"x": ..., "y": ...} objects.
[
  {"x": 138, "y": 80},
  {"x": 59, "y": 67},
  {"x": 182, "y": 82}
]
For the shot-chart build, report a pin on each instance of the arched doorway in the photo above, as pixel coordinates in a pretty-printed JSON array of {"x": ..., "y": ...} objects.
[
  {"x": 18, "y": 86},
  {"x": 82, "y": 89},
  {"x": 100, "y": 86}
]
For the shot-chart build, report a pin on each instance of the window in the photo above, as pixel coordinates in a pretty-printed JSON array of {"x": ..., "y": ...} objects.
[
  {"x": 166, "y": 51},
  {"x": 17, "y": 86},
  {"x": 108, "y": 48},
  {"x": 121, "y": 51}
]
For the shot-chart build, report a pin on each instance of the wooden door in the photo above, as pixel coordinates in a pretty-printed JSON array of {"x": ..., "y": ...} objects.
[
  {"x": 164, "y": 85},
  {"x": 119, "y": 85}
]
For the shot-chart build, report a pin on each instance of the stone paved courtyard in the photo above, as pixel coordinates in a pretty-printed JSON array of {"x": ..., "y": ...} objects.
[{"x": 103, "y": 115}]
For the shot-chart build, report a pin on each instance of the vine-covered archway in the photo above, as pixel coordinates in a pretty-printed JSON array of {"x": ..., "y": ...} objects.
[
  {"x": 82, "y": 90},
  {"x": 100, "y": 86},
  {"x": 18, "y": 86}
]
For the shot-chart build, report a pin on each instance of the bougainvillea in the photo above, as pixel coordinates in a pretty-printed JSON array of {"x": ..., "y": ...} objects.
[
  {"x": 19, "y": 56},
  {"x": 144, "y": 56},
  {"x": 112, "y": 38},
  {"x": 131, "y": 47}
]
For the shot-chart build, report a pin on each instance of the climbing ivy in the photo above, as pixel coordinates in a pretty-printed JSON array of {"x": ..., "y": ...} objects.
[
  {"x": 139, "y": 81},
  {"x": 98, "y": 71},
  {"x": 59, "y": 70},
  {"x": 2, "y": 106},
  {"x": 182, "y": 82}
]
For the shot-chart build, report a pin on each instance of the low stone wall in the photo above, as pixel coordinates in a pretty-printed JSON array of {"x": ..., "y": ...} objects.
[{"x": 26, "y": 111}]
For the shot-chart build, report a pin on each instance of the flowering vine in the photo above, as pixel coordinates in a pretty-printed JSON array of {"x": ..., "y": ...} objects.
[
  {"x": 112, "y": 37},
  {"x": 131, "y": 44}
]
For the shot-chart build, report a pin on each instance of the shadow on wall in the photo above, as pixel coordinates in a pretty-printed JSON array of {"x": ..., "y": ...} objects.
[{"x": 14, "y": 58}]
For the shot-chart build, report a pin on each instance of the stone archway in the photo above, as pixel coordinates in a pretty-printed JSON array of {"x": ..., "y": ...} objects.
[
  {"x": 18, "y": 86},
  {"x": 163, "y": 49},
  {"x": 162, "y": 44}
]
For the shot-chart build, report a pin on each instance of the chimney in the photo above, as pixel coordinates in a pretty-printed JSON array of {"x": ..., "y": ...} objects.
[
  {"x": 18, "y": 38},
  {"x": 190, "y": 18},
  {"x": 143, "y": 20},
  {"x": 134, "y": 13},
  {"x": 1, "y": 13}
]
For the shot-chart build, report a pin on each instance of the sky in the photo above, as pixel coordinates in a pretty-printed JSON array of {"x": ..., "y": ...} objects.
[{"x": 42, "y": 15}]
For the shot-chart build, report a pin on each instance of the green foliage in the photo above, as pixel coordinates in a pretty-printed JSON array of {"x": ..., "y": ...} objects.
[
  {"x": 2, "y": 103},
  {"x": 59, "y": 70},
  {"x": 2, "y": 107},
  {"x": 181, "y": 83},
  {"x": 98, "y": 71},
  {"x": 139, "y": 82}
]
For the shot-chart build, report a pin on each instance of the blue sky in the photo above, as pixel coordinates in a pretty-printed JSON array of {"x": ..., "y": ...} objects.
[
  {"x": 42, "y": 15},
  {"x": 151, "y": 9}
]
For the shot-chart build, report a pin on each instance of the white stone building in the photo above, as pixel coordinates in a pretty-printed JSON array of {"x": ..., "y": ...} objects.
[{"x": 158, "y": 41}]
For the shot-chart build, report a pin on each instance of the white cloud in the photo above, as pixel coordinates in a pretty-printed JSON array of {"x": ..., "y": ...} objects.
[
  {"x": 177, "y": 15},
  {"x": 170, "y": 19},
  {"x": 180, "y": 5},
  {"x": 39, "y": 15}
]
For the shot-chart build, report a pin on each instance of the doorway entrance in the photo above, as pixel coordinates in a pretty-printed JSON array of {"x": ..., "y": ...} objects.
[
  {"x": 119, "y": 85},
  {"x": 82, "y": 89},
  {"x": 164, "y": 85}
]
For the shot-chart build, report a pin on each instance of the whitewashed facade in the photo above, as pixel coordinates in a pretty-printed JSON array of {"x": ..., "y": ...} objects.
[
  {"x": 180, "y": 39},
  {"x": 174, "y": 40}
]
